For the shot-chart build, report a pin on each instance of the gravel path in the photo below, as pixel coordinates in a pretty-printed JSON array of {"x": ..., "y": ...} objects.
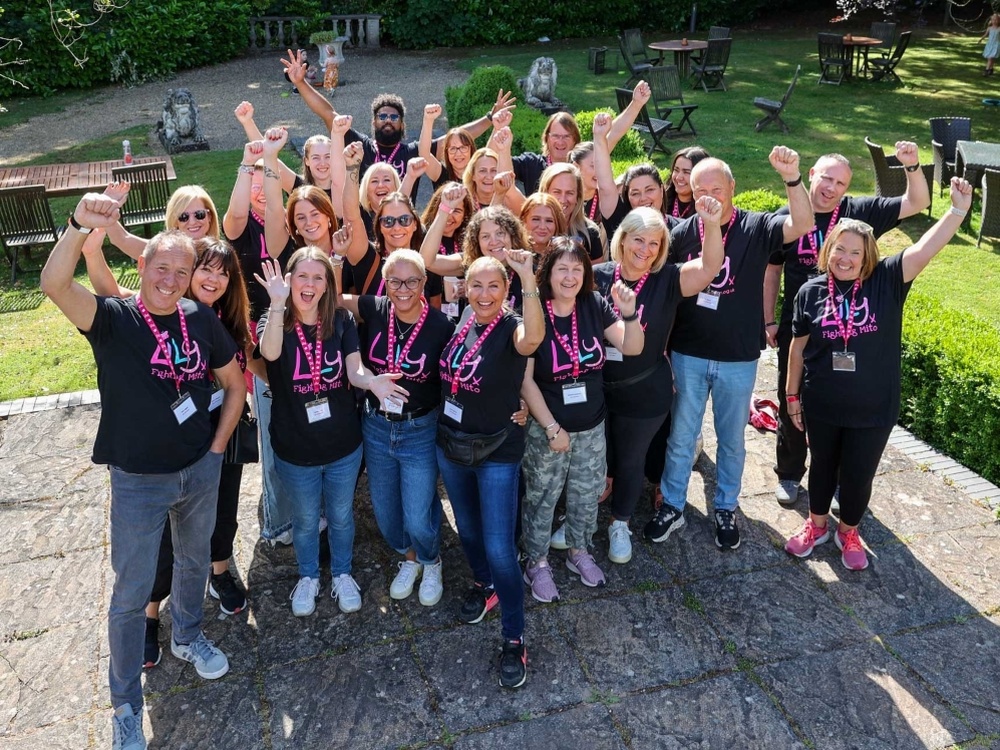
[{"x": 420, "y": 78}]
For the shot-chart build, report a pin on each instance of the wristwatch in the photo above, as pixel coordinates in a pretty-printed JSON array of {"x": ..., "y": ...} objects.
[{"x": 78, "y": 227}]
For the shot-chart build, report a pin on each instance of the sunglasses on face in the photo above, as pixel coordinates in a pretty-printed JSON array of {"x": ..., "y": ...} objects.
[
  {"x": 199, "y": 215},
  {"x": 386, "y": 116},
  {"x": 390, "y": 221},
  {"x": 396, "y": 284}
]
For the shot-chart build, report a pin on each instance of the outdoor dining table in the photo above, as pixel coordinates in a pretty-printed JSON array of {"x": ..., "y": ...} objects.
[
  {"x": 61, "y": 180},
  {"x": 857, "y": 47},
  {"x": 682, "y": 49},
  {"x": 971, "y": 158}
]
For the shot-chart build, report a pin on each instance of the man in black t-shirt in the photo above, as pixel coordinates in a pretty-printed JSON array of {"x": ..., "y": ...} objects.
[
  {"x": 829, "y": 181},
  {"x": 717, "y": 339},
  {"x": 155, "y": 355}
]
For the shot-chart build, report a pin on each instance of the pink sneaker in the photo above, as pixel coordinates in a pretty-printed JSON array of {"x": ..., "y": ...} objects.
[
  {"x": 539, "y": 578},
  {"x": 852, "y": 553},
  {"x": 801, "y": 545},
  {"x": 582, "y": 563}
]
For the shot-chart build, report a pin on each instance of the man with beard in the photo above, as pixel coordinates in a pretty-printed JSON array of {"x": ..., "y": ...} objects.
[{"x": 388, "y": 121}]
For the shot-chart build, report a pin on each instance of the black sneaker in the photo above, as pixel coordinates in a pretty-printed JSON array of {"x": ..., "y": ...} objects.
[
  {"x": 478, "y": 602},
  {"x": 667, "y": 520},
  {"x": 727, "y": 533},
  {"x": 151, "y": 652},
  {"x": 231, "y": 597},
  {"x": 513, "y": 664}
]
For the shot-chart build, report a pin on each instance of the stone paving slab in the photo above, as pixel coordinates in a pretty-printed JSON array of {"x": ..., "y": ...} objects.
[{"x": 685, "y": 647}]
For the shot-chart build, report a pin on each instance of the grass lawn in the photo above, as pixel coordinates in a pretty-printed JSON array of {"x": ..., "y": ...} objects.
[{"x": 40, "y": 353}]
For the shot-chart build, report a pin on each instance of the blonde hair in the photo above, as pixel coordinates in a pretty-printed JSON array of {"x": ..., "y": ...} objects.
[
  {"x": 307, "y": 175},
  {"x": 487, "y": 264},
  {"x": 366, "y": 180},
  {"x": 576, "y": 222},
  {"x": 470, "y": 169},
  {"x": 403, "y": 256},
  {"x": 182, "y": 198},
  {"x": 637, "y": 221}
]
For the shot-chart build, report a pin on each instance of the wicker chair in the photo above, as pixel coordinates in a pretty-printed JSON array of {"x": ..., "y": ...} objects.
[
  {"x": 890, "y": 175},
  {"x": 25, "y": 220},
  {"x": 946, "y": 132},
  {"x": 990, "y": 216}
]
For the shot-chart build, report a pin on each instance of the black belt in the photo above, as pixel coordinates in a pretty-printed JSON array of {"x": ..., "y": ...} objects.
[{"x": 403, "y": 417}]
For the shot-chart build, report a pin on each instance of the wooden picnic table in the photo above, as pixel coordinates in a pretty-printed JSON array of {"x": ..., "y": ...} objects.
[
  {"x": 73, "y": 179},
  {"x": 682, "y": 49}
]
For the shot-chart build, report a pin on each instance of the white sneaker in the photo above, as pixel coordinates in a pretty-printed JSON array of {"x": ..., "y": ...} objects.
[
  {"x": 304, "y": 596},
  {"x": 787, "y": 492},
  {"x": 347, "y": 593},
  {"x": 402, "y": 584},
  {"x": 284, "y": 539},
  {"x": 209, "y": 662},
  {"x": 431, "y": 588},
  {"x": 558, "y": 538},
  {"x": 620, "y": 545}
]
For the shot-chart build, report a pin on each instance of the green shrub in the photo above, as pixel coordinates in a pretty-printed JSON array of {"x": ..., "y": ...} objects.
[
  {"x": 759, "y": 200},
  {"x": 951, "y": 383},
  {"x": 629, "y": 148}
]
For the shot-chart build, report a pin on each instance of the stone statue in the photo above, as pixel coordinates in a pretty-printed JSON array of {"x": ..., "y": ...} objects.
[
  {"x": 180, "y": 123},
  {"x": 540, "y": 86}
]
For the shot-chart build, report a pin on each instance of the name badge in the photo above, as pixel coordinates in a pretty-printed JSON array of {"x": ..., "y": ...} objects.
[
  {"x": 216, "y": 401},
  {"x": 708, "y": 299},
  {"x": 317, "y": 410},
  {"x": 574, "y": 393},
  {"x": 450, "y": 309},
  {"x": 613, "y": 355},
  {"x": 845, "y": 361},
  {"x": 453, "y": 410},
  {"x": 392, "y": 406},
  {"x": 183, "y": 408}
]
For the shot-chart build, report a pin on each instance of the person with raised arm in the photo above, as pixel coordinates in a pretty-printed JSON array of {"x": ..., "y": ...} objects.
[{"x": 452, "y": 153}]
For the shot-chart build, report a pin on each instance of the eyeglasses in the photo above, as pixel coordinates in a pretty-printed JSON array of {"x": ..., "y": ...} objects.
[
  {"x": 199, "y": 215},
  {"x": 458, "y": 149},
  {"x": 384, "y": 116},
  {"x": 390, "y": 221},
  {"x": 411, "y": 283}
]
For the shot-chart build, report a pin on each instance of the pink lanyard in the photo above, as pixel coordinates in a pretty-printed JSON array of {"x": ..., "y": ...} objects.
[
  {"x": 315, "y": 363},
  {"x": 637, "y": 288},
  {"x": 811, "y": 234},
  {"x": 388, "y": 159},
  {"x": 574, "y": 351},
  {"x": 163, "y": 346},
  {"x": 846, "y": 330},
  {"x": 725, "y": 235},
  {"x": 390, "y": 360},
  {"x": 593, "y": 206},
  {"x": 676, "y": 212},
  {"x": 467, "y": 357}
]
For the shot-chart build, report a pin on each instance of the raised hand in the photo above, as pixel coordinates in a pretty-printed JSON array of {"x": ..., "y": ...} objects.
[
  {"x": 96, "y": 210},
  {"x": 278, "y": 287},
  {"x": 602, "y": 125},
  {"x": 295, "y": 66},
  {"x": 244, "y": 113},
  {"x": 502, "y": 119},
  {"x": 341, "y": 239},
  {"x": 416, "y": 166},
  {"x": 252, "y": 151},
  {"x": 961, "y": 194},
  {"x": 907, "y": 153},
  {"x": 432, "y": 111},
  {"x": 501, "y": 139},
  {"x": 709, "y": 209},
  {"x": 274, "y": 140},
  {"x": 341, "y": 124},
  {"x": 624, "y": 298},
  {"x": 502, "y": 183},
  {"x": 505, "y": 100},
  {"x": 785, "y": 162},
  {"x": 117, "y": 191},
  {"x": 353, "y": 154},
  {"x": 453, "y": 197},
  {"x": 641, "y": 94},
  {"x": 522, "y": 263}
]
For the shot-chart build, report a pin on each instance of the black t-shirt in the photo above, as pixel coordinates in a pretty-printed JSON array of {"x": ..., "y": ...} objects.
[
  {"x": 138, "y": 431},
  {"x": 554, "y": 366},
  {"x": 395, "y": 156},
  {"x": 799, "y": 258},
  {"x": 648, "y": 387},
  {"x": 300, "y": 181},
  {"x": 435, "y": 284},
  {"x": 869, "y": 396},
  {"x": 489, "y": 385},
  {"x": 354, "y": 276},
  {"x": 593, "y": 242},
  {"x": 610, "y": 223},
  {"x": 421, "y": 374},
  {"x": 251, "y": 249},
  {"x": 294, "y": 439},
  {"x": 734, "y": 331},
  {"x": 528, "y": 168}
]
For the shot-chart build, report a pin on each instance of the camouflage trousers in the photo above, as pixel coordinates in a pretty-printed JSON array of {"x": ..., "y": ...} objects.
[{"x": 582, "y": 470}]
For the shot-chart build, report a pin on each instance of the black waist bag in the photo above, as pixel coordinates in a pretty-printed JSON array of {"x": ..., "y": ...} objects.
[{"x": 468, "y": 448}]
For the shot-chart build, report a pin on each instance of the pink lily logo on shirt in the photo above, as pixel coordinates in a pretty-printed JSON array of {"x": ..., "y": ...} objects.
[
  {"x": 413, "y": 369},
  {"x": 189, "y": 365},
  {"x": 725, "y": 282},
  {"x": 331, "y": 373},
  {"x": 591, "y": 357},
  {"x": 864, "y": 318}
]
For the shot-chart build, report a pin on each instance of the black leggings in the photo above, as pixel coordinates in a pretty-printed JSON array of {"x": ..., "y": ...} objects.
[
  {"x": 628, "y": 440},
  {"x": 847, "y": 456},
  {"x": 222, "y": 536}
]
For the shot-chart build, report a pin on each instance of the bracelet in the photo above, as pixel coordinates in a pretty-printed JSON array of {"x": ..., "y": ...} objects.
[
  {"x": 792, "y": 398},
  {"x": 442, "y": 209},
  {"x": 793, "y": 183},
  {"x": 489, "y": 115},
  {"x": 528, "y": 295},
  {"x": 554, "y": 424},
  {"x": 768, "y": 325},
  {"x": 957, "y": 212},
  {"x": 555, "y": 435},
  {"x": 336, "y": 258},
  {"x": 245, "y": 169},
  {"x": 912, "y": 168},
  {"x": 630, "y": 318},
  {"x": 276, "y": 309},
  {"x": 78, "y": 226}
]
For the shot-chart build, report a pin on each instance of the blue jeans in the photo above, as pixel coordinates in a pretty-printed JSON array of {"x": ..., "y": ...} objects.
[
  {"x": 140, "y": 504},
  {"x": 402, "y": 479},
  {"x": 312, "y": 489},
  {"x": 277, "y": 510},
  {"x": 484, "y": 500},
  {"x": 730, "y": 385}
]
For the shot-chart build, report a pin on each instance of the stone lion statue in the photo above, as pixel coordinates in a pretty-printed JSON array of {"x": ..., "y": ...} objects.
[
  {"x": 180, "y": 118},
  {"x": 540, "y": 86}
]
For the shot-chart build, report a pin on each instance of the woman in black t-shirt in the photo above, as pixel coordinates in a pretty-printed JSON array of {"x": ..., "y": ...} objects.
[
  {"x": 448, "y": 235},
  {"x": 843, "y": 384},
  {"x": 402, "y": 333},
  {"x": 311, "y": 350},
  {"x": 564, "y": 183},
  {"x": 565, "y": 394},
  {"x": 482, "y": 369},
  {"x": 543, "y": 219},
  {"x": 678, "y": 195},
  {"x": 639, "y": 390}
]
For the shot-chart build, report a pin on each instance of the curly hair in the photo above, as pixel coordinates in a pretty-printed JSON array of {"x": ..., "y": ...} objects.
[{"x": 503, "y": 218}]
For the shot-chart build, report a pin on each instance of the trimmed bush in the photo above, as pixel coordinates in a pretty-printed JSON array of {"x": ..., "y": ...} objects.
[
  {"x": 759, "y": 200},
  {"x": 951, "y": 383},
  {"x": 630, "y": 147},
  {"x": 474, "y": 99}
]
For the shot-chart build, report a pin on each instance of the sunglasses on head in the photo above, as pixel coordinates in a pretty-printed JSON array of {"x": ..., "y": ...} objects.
[
  {"x": 390, "y": 221},
  {"x": 383, "y": 116},
  {"x": 199, "y": 215}
]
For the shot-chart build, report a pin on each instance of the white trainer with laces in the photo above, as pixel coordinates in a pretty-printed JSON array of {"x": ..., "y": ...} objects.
[
  {"x": 347, "y": 593},
  {"x": 431, "y": 588},
  {"x": 402, "y": 585},
  {"x": 304, "y": 596},
  {"x": 619, "y": 542}
]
